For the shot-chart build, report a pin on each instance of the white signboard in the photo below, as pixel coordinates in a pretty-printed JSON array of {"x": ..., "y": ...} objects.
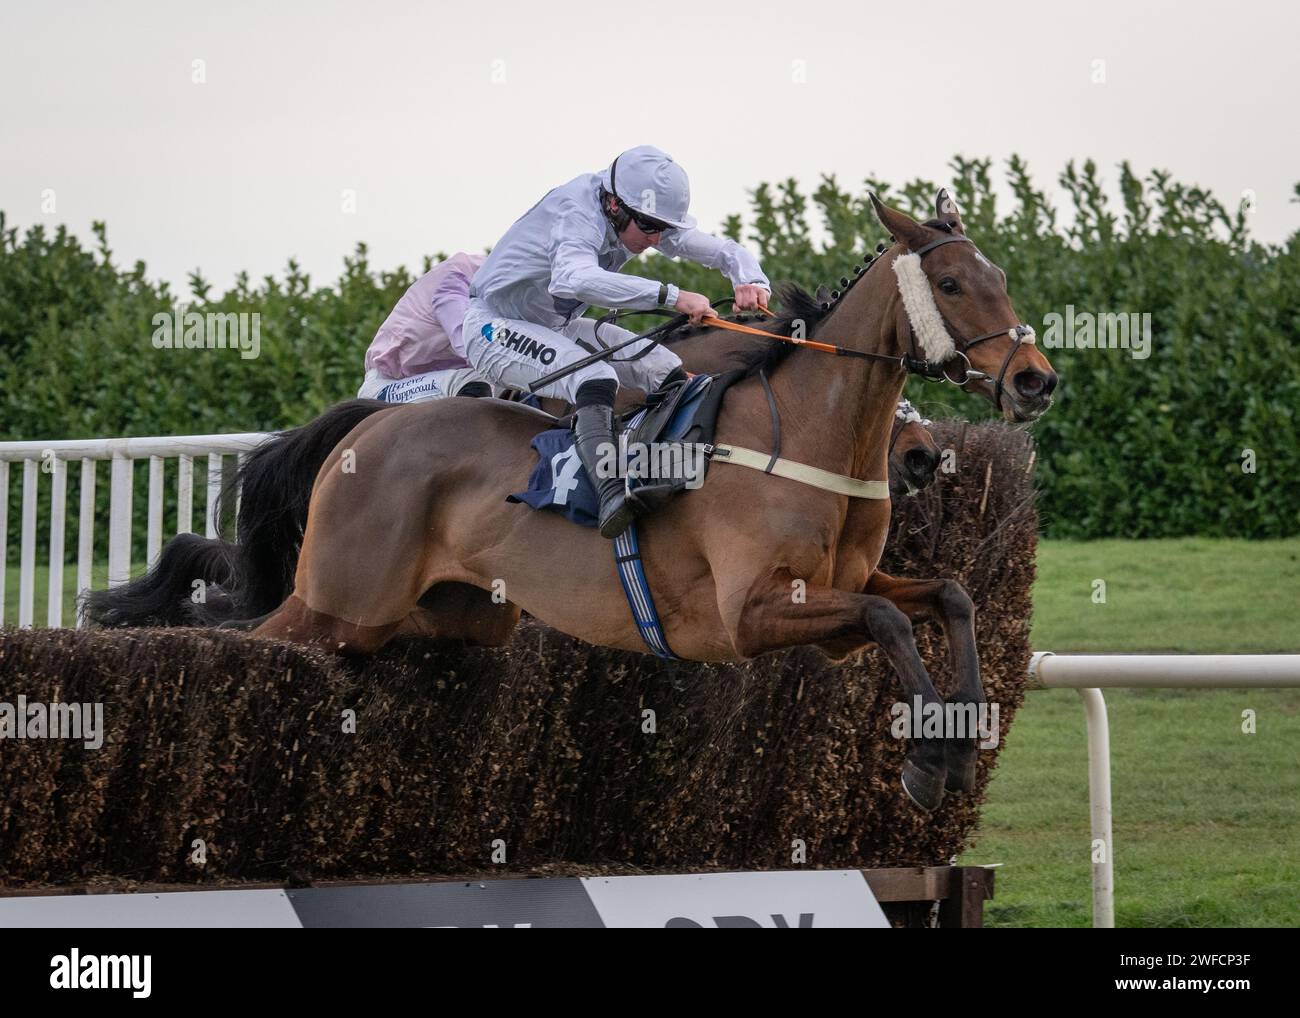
[{"x": 781, "y": 900}]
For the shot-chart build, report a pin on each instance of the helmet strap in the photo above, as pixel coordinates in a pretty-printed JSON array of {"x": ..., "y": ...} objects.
[{"x": 619, "y": 217}]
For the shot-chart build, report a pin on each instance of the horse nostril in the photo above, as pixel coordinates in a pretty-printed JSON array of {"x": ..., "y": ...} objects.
[
  {"x": 921, "y": 462},
  {"x": 1033, "y": 384}
]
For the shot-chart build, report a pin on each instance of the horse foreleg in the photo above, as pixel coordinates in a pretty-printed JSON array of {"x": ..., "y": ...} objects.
[
  {"x": 463, "y": 612},
  {"x": 295, "y": 622},
  {"x": 778, "y": 615},
  {"x": 948, "y": 602}
]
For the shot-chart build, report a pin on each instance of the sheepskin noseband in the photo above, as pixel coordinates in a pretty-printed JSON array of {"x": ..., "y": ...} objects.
[{"x": 936, "y": 345}]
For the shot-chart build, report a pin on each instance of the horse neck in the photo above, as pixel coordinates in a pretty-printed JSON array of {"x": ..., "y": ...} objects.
[{"x": 836, "y": 412}]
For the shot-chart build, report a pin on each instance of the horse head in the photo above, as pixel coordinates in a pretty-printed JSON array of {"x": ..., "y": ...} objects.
[
  {"x": 957, "y": 316},
  {"x": 913, "y": 453}
]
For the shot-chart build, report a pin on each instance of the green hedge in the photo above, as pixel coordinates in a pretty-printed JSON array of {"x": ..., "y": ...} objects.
[{"x": 1137, "y": 447}]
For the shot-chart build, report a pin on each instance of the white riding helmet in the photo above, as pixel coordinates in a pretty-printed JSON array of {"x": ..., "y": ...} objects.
[{"x": 646, "y": 180}]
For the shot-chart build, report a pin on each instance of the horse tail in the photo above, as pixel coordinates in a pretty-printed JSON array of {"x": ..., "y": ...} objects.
[
  {"x": 275, "y": 482},
  {"x": 255, "y": 571},
  {"x": 163, "y": 595}
]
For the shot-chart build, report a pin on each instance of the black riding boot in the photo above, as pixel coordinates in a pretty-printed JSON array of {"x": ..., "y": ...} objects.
[{"x": 594, "y": 435}]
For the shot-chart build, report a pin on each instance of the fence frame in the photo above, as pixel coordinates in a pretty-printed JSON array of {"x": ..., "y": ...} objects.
[{"x": 52, "y": 458}]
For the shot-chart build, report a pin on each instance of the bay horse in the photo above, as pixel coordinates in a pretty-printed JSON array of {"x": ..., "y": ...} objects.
[
  {"x": 408, "y": 518},
  {"x": 913, "y": 454},
  {"x": 246, "y": 578}
]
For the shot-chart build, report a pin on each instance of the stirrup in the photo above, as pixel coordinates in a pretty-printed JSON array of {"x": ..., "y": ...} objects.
[{"x": 620, "y": 518}]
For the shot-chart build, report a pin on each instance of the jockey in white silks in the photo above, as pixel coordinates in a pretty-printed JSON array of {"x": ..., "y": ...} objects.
[
  {"x": 525, "y": 321},
  {"x": 419, "y": 351}
]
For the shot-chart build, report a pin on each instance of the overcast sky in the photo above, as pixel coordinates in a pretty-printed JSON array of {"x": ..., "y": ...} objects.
[{"x": 448, "y": 122}]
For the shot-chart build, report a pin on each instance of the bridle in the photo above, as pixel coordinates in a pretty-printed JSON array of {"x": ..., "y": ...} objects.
[
  {"x": 901, "y": 421},
  {"x": 899, "y": 424},
  {"x": 1019, "y": 334}
]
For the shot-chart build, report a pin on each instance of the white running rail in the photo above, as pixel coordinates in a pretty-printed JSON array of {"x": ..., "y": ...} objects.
[
  {"x": 1088, "y": 674},
  {"x": 52, "y": 459}
]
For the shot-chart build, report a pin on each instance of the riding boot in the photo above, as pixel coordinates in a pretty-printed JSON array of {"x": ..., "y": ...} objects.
[{"x": 594, "y": 434}]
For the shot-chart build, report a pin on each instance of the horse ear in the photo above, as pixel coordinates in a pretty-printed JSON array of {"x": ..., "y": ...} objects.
[
  {"x": 901, "y": 226},
  {"x": 945, "y": 208}
]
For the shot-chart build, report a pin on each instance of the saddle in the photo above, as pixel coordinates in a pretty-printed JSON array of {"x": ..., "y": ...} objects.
[{"x": 678, "y": 421}]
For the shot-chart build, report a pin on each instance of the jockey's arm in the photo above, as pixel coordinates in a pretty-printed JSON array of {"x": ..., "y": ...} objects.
[
  {"x": 576, "y": 273},
  {"x": 733, "y": 260},
  {"x": 451, "y": 299}
]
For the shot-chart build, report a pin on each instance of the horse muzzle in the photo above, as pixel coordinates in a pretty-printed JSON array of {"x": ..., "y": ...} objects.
[
  {"x": 1028, "y": 395},
  {"x": 914, "y": 473}
]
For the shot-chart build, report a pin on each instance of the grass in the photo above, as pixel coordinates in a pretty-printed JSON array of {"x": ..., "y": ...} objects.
[
  {"x": 1190, "y": 595},
  {"x": 1207, "y": 818},
  {"x": 99, "y": 579}
]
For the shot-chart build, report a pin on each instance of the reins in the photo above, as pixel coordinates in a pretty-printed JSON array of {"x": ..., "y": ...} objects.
[{"x": 909, "y": 362}]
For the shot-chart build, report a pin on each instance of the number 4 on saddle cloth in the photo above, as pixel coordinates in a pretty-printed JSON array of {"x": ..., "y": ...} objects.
[{"x": 674, "y": 429}]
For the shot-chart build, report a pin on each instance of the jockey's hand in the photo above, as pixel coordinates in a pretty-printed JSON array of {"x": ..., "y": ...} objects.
[
  {"x": 694, "y": 305},
  {"x": 751, "y": 297}
]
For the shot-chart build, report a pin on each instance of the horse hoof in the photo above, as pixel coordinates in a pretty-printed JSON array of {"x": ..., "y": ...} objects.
[
  {"x": 961, "y": 770},
  {"x": 922, "y": 787}
]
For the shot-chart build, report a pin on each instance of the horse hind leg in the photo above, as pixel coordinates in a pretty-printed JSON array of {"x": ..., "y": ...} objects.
[
  {"x": 447, "y": 611},
  {"x": 364, "y": 552}
]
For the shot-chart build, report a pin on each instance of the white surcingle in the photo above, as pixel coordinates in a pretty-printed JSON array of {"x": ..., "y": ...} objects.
[{"x": 918, "y": 299}]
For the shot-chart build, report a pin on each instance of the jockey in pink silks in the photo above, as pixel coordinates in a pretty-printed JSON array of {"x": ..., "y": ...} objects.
[{"x": 419, "y": 353}]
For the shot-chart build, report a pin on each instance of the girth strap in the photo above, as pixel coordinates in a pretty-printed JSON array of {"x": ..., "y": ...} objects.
[
  {"x": 631, "y": 573},
  {"x": 801, "y": 472}
]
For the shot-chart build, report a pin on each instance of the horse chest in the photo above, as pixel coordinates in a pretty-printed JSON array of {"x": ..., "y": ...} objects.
[{"x": 861, "y": 544}]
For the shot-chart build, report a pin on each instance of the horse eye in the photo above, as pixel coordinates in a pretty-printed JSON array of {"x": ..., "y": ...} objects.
[{"x": 949, "y": 286}]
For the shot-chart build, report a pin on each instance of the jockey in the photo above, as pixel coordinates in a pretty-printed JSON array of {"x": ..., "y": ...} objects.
[
  {"x": 525, "y": 314},
  {"x": 419, "y": 352}
]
